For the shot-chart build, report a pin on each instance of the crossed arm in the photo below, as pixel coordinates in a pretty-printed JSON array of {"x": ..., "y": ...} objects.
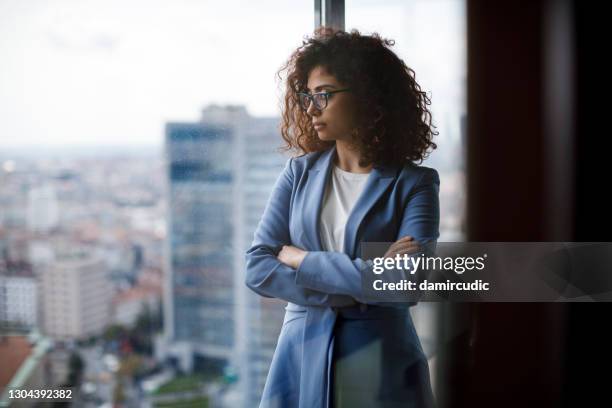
[{"x": 322, "y": 278}]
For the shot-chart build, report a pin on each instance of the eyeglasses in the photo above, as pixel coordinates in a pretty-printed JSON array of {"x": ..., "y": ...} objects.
[{"x": 319, "y": 99}]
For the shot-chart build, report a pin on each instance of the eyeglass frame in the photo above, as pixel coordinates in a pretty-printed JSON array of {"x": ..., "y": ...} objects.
[{"x": 312, "y": 101}]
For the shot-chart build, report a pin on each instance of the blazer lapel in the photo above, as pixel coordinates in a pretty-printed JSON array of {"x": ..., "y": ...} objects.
[
  {"x": 377, "y": 183},
  {"x": 318, "y": 176},
  {"x": 380, "y": 179}
]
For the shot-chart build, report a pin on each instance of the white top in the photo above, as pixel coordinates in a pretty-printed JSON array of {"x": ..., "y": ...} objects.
[{"x": 341, "y": 194}]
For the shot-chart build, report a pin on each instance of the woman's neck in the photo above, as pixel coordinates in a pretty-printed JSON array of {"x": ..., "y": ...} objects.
[{"x": 347, "y": 158}]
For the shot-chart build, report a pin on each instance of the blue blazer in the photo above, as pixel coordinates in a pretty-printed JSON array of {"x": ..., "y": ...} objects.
[{"x": 396, "y": 201}]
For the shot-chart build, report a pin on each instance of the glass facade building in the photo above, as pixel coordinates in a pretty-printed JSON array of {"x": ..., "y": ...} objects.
[
  {"x": 220, "y": 173},
  {"x": 200, "y": 235}
]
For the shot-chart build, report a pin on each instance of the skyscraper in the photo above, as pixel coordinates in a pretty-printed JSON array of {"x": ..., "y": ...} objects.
[
  {"x": 220, "y": 174},
  {"x": 199, "y": 307}
]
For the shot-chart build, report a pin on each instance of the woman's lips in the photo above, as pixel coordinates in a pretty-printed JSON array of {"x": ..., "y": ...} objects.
[{"x": 319, "y": 126}]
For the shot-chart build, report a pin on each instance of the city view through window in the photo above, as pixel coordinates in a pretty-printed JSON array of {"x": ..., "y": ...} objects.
[{"x": 138, "y": 148}]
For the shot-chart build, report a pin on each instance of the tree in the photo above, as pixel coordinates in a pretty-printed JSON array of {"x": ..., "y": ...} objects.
[{"x": 75, "y": 369}]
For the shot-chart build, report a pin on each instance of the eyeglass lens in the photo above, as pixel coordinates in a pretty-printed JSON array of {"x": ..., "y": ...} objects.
[{"x": 319, "y": 99}]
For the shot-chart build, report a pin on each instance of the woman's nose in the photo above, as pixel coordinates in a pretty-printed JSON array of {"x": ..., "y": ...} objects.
[{"x": 312, "y": 111}]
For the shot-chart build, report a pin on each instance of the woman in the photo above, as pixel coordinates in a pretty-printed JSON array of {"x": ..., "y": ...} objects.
[{"x": 355, "y": 112}]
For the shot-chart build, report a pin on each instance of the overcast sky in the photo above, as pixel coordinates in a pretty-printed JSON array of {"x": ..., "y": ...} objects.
[{"x": 108, "y": 72}]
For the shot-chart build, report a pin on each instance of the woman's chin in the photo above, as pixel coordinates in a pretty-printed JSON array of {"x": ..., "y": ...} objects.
[{"x": 324, "y": 136}]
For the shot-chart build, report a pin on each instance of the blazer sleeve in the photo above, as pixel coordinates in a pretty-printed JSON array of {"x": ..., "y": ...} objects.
[
  {"x": 265, "y": 274},
  {"x": 420, "y": 219}
]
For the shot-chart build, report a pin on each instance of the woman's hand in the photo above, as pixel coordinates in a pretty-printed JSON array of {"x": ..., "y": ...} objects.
[
  {"x": 404, "y": 245},
  {"x": 291, "y": 256}
]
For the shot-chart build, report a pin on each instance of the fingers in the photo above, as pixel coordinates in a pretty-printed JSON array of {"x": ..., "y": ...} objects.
[
  {"x": 408, "y": 250},
  {"x": 405, "y": 245},
  {"x": 400, "y": 243}
]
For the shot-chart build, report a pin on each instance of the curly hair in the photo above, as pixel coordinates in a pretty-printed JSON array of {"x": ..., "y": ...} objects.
[{"x": 394, "y": 123}]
